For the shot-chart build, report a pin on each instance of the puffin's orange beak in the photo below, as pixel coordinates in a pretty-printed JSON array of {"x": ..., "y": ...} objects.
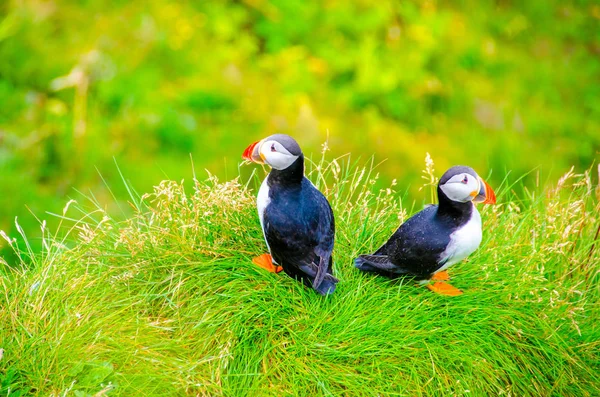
[
  {"x": 252, "y": 153},
  {"x": 486, "y": 194}
]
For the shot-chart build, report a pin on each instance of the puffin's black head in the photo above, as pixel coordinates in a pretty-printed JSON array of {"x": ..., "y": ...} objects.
[
  {"x": 462, "y": 184},
  {"x": 279, "y": 151}
]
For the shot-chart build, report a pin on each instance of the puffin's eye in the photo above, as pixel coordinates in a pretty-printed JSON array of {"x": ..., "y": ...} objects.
[
  {"x": 273, "y": 148},
  {"x": 465, "y": 180}
]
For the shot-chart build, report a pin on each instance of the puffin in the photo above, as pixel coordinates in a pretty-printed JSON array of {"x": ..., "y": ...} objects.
[
  {"x": 437, "y": 237},
  {"x": 295, "y": 217}
]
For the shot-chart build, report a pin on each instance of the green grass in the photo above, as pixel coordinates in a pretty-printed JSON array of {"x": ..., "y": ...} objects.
[{"x": 166, "y": 302}]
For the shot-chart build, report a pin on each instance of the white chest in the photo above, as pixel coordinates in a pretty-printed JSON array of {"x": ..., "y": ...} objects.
[
  {"x": 262, "y": 201},
  {"x": 463, "y": 242}
]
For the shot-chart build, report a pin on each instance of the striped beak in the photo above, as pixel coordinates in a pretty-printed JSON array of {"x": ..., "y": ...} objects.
[
  {"x": 252, "y": 153},
  {"x": 485, "y": 195}
]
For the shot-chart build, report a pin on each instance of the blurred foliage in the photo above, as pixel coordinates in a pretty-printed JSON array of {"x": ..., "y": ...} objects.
[{"x": 499, "y": 85}]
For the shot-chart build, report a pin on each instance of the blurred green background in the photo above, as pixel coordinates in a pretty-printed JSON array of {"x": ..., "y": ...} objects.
[{"x": 499, "y": 85}]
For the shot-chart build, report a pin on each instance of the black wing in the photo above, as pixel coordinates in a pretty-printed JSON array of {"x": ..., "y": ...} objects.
[
  {"x": 415, "y": 248},
  {"x": 300, "y": 231}
]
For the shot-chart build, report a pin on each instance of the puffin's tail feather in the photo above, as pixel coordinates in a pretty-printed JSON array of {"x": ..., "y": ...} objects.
[
  {"x": 321, "y": 271},
  {"x": 318, "y": 277},
  {"x": 362, "y": 264},
  {"x": 327, "y": 286},
  {"x": 379, "y": 264},
  {"x": 374, "y": 263}
]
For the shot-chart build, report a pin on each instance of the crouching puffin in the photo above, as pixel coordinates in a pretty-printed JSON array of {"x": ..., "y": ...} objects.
[
  {"x": 296, "y": 218},
  {"x": 437, "y": 237}
]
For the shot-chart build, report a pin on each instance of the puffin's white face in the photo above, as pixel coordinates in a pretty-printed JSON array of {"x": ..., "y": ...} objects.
[
  {"x": 462, "y": 187},
  {"x": 274, "y": 154},
  {"x": 279, "y": 151}
]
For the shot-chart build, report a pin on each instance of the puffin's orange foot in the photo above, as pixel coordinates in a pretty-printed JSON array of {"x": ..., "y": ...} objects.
[
  {"x": 444, "y": 289},
  {"x": 266, "y": 262},
  {"x": 441, "y": 276}
]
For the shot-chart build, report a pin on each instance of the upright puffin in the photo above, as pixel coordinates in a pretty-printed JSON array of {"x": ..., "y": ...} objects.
[
  {"x": 296, "y": 218},
  {"x": 437, "y": 237}
]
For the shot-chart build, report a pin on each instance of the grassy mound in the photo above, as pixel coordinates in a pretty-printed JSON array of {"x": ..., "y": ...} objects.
[{"x": 168, "y": 303}]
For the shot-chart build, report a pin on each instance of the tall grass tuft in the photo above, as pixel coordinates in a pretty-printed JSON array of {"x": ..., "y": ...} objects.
[{"x": 167, "y": 302}]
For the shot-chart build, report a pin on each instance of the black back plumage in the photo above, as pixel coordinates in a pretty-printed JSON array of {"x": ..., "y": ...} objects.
[
  {"x": 415, "y": 249},
  {"x": 299, "y": 228}
]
